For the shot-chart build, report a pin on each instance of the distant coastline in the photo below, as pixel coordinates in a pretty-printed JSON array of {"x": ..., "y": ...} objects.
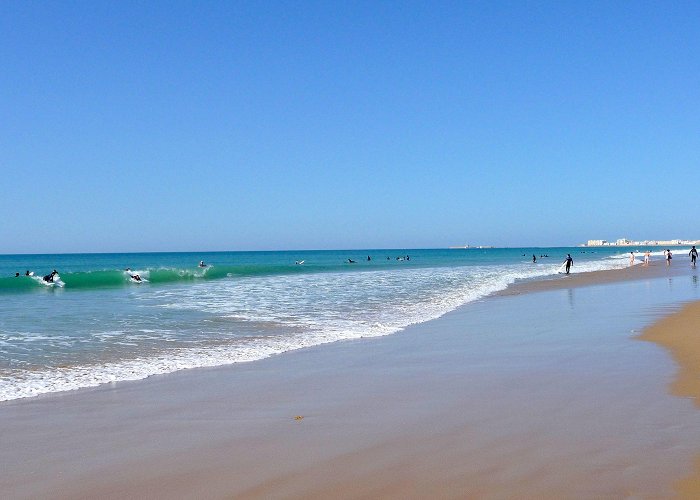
[
  {"x": 462, "y": 247},
  {"x": 624, "y": 242}
]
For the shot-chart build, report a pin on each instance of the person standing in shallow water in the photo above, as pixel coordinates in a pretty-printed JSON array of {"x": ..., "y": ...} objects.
[
  {"x": 631, "y": 258},
  {"x": 534, "y": 259},
  {"x": 669, "y": 256},
  {"x": 693, "y": 256},
  {"x": 569, "y": 262}
]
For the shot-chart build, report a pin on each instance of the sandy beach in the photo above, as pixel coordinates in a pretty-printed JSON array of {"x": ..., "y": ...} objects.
[
  {"x": 542, "y": 392},
  {"x": 678, "y": 333}
]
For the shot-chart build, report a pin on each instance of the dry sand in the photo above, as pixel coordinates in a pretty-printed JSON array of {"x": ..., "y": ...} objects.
[{"x": 680, "y": 333}]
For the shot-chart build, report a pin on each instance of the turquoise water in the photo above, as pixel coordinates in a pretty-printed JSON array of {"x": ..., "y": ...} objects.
[{"x": 95, "y": 325}]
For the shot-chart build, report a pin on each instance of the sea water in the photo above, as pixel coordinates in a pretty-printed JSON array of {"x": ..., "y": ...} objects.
[{"x": 94, "y": 324}]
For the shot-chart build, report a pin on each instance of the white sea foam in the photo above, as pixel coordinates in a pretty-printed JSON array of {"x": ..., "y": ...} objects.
[{"x": 301, "y": 310}]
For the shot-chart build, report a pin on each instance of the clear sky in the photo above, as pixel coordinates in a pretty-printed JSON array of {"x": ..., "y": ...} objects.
[{"x": 149, "y": 126}]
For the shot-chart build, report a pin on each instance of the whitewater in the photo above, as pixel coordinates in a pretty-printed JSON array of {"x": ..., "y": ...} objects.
[{"x": 101, "y": 327}]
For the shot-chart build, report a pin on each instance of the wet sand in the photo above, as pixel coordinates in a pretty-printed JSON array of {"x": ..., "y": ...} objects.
[
  {"x": 529, "y": 395},
  {"x": 655, "y": 269}
]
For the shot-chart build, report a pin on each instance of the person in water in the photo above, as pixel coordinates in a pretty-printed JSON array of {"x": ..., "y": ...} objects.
[
  {"x": 534, "y": 259},
  {"x": 136, "y": 277},
  {"x": 350, "y": 261},
  {"x": 568, "y": 262},
  {"x": 202, "y": 264},
  {"x": 16, "y": 275},
  {"x": 693, "y": 256},
  {"x": 669, "y": 256},
  {"x": 49, "y": 278},
  {"x": 29, "y": 273}
]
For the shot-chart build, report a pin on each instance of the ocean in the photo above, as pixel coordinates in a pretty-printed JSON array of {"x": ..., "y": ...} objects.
[{"x": 95, "y": 324}]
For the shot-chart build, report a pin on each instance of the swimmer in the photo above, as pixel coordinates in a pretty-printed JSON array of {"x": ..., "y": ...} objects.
[{"x": 350, "y": 261}]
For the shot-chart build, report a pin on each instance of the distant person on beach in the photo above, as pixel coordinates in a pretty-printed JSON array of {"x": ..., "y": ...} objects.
[
  {"x": 568, "y": 262},
  {"x": 693, "y": 255},
  {"x": 631, "y": 258},
  {"x": 669, "y": 256},
  {"x": 647, "y": 256},
  {"x": 534, "y": 259}
]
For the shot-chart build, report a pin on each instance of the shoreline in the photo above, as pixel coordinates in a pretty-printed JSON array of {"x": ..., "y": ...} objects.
[
  {"x": 406, "y": 415},
  {"x": 655, "y": 269}
]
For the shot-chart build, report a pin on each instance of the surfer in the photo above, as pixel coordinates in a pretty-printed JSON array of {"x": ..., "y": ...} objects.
[
  {"x": 16, "y": 275},
  {"x": 49, "y": 277},
  {"x": 350, "y": 261},
  {"x": 29, "y": 273},
  {"x": 202, "y": 264},
  {"x": 693, "y": 255},
  {"x": 568, "y": 262},
  {"x": 136, "y": 277}
]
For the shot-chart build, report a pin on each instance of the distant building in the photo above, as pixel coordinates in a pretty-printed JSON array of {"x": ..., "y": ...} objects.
[
  {"x": 626, "y": 242},
  {"x": 597, "y": 243}
]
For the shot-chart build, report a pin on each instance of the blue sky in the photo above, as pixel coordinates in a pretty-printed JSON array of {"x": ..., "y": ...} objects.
[{"x": 149, "y": 126}]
